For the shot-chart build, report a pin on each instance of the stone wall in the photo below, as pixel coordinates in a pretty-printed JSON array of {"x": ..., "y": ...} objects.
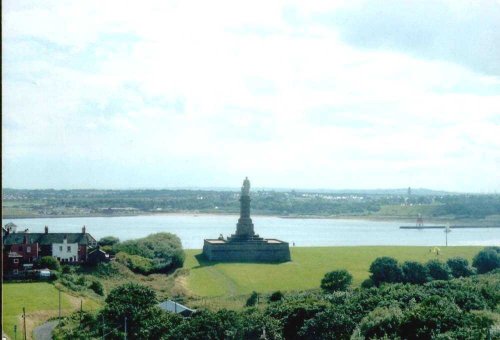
[{"x": 259, "y": 251}]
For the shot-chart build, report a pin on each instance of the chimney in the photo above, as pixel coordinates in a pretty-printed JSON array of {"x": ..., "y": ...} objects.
[
  {"x": 46, "y": 229},
  {"x": 65, "y": 240},
  {"x": 26, "y": 231},
  {"x": 84, "y": 230}
]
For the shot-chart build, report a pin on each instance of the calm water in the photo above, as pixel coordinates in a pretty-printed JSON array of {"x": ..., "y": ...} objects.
[{"x": 193, "y": 229}]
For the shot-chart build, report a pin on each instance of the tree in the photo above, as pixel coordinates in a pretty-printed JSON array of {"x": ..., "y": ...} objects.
[
  {"x": 109, "y": 241},
  {"x": 135, "y": 302},
  {"x": 438, "y": 270},
  {"x": 385, "y": 269},
  {"x": 223, "y": 324},
  {"x": 336, "y": 280},
  {"x": 459, "y": 267},
  {"x": 50, "y": 263},
  {"x": 487, "y": 260},
  {"x": 415, "y": 272}
]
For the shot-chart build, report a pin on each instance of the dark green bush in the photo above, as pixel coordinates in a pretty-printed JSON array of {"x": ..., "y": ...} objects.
[
  {"x": 385, "y": 269},
  {"x": 487, "y": 260},
  {"x": 276, "y": 296},
  {"x": 336, "y": 280},
  {"x": 459, "y": 267},
  {"x": 438, "y": 270},
  {"x": 97, "y": 287},
  {"x": 252, "y": 300},
  {"x": 415, "y": 272}
]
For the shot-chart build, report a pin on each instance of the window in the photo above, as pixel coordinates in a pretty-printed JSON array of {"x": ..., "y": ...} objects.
[
  {"x": 16, "y": 260},
  {"x": 15, "y": 271},
  {"x": 69, "y": 249},
  {"x": 28, "y": 249},
  {"x": 60, "y": 248}
]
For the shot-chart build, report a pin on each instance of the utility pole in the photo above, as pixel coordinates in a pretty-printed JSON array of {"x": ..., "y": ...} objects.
[
  {"x": 102, "y": 326},
  {"x": 24, "y": 323},
  {"x": 59, "y": 305},
  {"x": 81, "y": 311},
  {"x": 447, "y": 231},
  {"x": 125, "y": 335},
  {"x": 15, "y": 332}
]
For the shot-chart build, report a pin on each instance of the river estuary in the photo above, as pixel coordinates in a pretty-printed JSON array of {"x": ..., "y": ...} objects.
[{"x": 192, "y": 229}]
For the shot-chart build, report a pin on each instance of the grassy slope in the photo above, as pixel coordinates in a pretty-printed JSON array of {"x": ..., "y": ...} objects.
[
  {"x": 306, "y": 270},
  {"x": 41, "y": 301}
]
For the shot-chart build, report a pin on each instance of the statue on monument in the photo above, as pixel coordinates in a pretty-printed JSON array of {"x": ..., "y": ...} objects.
[{"x": 245, "y": 189}]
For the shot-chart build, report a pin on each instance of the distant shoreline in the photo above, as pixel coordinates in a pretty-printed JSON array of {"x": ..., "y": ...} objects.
[{"x": 374, "y": 218}]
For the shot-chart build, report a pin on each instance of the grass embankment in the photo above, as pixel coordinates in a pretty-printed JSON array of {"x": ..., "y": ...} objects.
[
  {"x": 41, "y": 301},
  {"x": 305, "y": 271}
]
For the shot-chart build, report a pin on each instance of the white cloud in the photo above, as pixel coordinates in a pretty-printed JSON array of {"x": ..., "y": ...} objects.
[{"x": 183, "y": 93}]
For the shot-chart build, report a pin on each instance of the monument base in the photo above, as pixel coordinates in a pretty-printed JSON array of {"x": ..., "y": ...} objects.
[{"x": 253, "y": 250}]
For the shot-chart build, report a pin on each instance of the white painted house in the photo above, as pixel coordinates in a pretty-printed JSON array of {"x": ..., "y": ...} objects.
[{"x": 65, "y": 252}]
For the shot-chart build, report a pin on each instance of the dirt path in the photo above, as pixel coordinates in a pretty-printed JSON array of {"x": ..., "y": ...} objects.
[{"x": 44, "y": 332}]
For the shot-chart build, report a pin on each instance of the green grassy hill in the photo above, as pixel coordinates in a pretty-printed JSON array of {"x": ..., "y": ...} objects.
[
  {"x": 305, "y": 271},
  {"x": 41, "y": 301}
]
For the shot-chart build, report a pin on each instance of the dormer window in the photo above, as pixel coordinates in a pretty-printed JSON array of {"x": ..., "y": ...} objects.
[{"x": 28, "y": 249}]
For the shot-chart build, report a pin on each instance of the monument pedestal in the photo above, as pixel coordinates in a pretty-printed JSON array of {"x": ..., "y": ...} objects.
[{"x": 263, "y": 250}]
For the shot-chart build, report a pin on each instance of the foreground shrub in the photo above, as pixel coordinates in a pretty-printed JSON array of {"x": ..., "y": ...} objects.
[
  {"x": 385, "y": 269},
  {"x": 415, "y": 272},
  {"x": 438, "y": 270},
  {"x": 459, "y": 267},
  {"x": 336, "y": 280},
  {"x": 487, "y": 260},
  {"x": 335, "y": 322},
  {"x": 381, "y": 322}
]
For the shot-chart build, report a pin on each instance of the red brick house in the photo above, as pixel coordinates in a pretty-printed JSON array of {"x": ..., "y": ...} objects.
[{"x": 20, "y": 249}]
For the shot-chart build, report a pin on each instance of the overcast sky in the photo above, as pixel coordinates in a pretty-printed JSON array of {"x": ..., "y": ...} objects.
[{"x": 378, "y": 94}]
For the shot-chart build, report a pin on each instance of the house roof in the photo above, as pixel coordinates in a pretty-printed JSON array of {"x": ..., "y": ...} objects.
[
  {"x": 49, "y": 238},
  {"x": 174, "y": 307}
]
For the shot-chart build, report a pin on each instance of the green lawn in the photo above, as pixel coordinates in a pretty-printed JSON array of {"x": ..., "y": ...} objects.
[
  {"x": 306, "y": 270},
  {"x": 41, "y": 301}
]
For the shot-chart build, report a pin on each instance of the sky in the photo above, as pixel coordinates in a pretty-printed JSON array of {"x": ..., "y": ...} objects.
[{"x": 316, "y": 94}]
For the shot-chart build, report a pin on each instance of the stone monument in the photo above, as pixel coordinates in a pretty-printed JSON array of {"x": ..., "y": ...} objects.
[{"x": 245, "y": 245}]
